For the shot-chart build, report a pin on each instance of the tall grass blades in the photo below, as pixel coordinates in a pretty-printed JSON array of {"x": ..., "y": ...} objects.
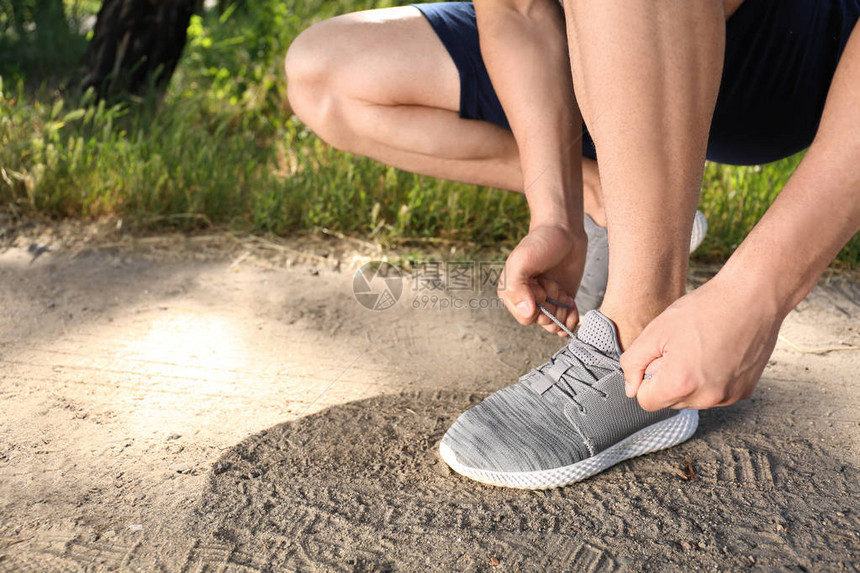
[{"x": 223, "y": 148}]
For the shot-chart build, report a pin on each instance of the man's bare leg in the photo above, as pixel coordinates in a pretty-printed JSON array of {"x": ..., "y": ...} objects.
[
  {"x": 651, "y": 132},
  {"x": 381, "y": 84},
  {"x": 710, "y": 348}
]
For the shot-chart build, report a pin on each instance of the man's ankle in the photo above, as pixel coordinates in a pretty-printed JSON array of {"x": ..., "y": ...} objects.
[
  {"x": 627, "y": 331},
  {"x": 630, "y": 322}
]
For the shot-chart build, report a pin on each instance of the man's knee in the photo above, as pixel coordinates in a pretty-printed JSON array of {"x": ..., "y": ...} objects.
[
  {"x": 313, "y": 89},
  {"x": 307, "y": 73}
]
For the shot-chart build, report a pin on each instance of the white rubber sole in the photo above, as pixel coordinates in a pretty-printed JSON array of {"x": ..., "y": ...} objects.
[{"x": 665, "y": 434}]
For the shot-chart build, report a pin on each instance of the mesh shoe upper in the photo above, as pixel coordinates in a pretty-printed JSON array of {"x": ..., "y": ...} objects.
[{"x": 566, "y": 410}]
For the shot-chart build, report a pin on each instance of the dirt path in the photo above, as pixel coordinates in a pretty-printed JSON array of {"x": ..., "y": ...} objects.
[{"x": 222, "y": 415}]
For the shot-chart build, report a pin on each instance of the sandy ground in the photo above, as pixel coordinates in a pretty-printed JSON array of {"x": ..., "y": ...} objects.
[{"x": 238, "y": 414}]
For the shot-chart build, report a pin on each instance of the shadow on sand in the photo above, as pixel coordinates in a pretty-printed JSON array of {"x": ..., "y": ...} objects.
[{"x": 360, "y": 487}]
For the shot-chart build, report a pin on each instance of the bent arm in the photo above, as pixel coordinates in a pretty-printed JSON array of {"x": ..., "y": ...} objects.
[
  {"x": 713, "y": 344},
  {"x": 818, "y": 211},
  {"x": 524, "y": 46}
]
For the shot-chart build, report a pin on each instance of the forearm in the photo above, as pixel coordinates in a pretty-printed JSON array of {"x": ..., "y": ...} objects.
[
  {"x": 525, "y": 50},
  {"x": 802, "y": 232},
  {"x": 819, "y": 209}
]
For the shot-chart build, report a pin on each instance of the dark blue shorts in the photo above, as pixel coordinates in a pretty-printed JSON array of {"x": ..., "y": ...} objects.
[{"x": 780, "y": 59}]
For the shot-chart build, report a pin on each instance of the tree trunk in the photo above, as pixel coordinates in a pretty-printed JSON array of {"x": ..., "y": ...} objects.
[{"x": 136, "y": 45}]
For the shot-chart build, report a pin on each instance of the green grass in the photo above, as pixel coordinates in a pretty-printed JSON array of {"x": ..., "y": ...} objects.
[
  {"x": 223, "y": 149},
  {"x": 734, "y": 199}
]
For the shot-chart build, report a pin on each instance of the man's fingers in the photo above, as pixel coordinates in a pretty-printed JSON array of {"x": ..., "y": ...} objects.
[
  {"x": 543, "y": 320},
  {"x": 565, "y": 311},
  {"x": 572, "y": 318},
  {"x": 526, "y": 286},
  {"x": 673, "y": 385},
  {"x": 637, "y": 358},
  {"x": 560, "y": 304},
  {"x": 652, "y": 395},
  {"x": 521, "y": 290},
  {"x": 521, "y": 298},
  {"x": 554, "y": 305},
  {"x": 654, "y": 375}
]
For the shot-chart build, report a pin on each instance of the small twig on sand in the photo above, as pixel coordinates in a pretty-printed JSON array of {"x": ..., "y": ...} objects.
[
  {"x": 431, "y": 241},
  {"x": 238, "y": 261},
  {"x": 686, "y": 471},
  {"x": 797, "y": 348},
  {"x": 173, "y": 217},
  {"x": 368, "y": 245},
  {"x": 273, "y": 245}
]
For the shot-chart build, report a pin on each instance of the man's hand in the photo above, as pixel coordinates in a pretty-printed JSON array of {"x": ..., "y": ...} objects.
[
  {"x": 524, "y": 45},
  {"x": 708, "y": 349},
  {"x": 548, "y": 262}
]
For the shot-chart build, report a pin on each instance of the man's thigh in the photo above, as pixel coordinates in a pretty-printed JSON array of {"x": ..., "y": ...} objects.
[{"x": 389, "y": 56}]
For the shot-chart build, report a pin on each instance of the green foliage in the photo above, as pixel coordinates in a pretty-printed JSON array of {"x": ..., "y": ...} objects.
[
  {"x": 38, "y": 38},
  {"x": 223, "y": 148},
  {"x": 735, "y": 198}
]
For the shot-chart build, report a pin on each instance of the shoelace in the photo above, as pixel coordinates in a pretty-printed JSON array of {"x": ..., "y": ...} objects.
[
  {"x": 553, "y": 372},
  {"x": 567, "y": 330},
  {"x": 553, "y": 318}
]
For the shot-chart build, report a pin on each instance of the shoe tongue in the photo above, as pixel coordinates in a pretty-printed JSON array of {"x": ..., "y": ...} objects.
[{"x": 599, "y": 332}]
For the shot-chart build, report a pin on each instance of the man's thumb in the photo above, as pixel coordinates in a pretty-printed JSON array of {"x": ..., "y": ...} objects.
[
  {"x": 521, "y": 287},
  {"x": 526, "y": 308},
  {"x": 521, "y": 298}
]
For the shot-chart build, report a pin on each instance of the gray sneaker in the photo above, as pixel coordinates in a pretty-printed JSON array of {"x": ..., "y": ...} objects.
[
  {"x": 564, "y": 421},
  {"x": 596, "y": 272},
  {"x": 595, "y": 275}
]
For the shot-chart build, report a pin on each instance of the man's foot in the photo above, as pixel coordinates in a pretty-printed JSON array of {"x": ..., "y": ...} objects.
[
  {"x": 596, "y": 272},
  {"x": 564, "y": 421}
]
